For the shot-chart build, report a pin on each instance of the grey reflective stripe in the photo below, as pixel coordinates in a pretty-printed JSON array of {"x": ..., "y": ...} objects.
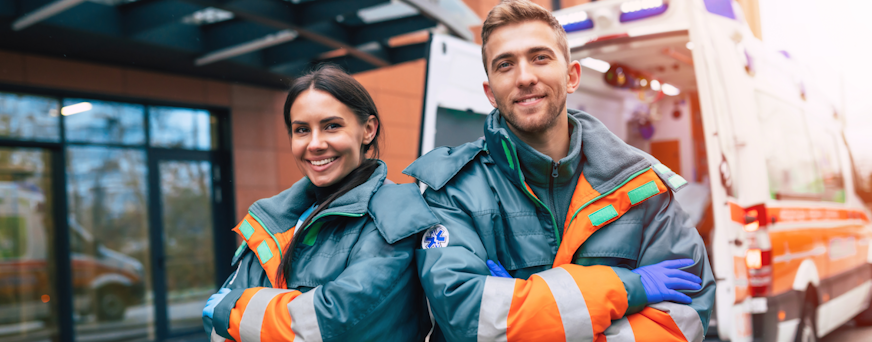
[
  {"x": 620, "y": 331},
  {"x": 493, "y": 315},
  {"x": 214, "y": 337},
  {"x": 570, "y": 304},
  {"x": 685, "y": 317},
  {"x": 304, "y": 320},
  {"x": 252, "y": 318}
]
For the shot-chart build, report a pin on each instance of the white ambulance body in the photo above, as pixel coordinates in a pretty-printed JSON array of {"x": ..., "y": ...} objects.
[{"x": 771, "y": 188}]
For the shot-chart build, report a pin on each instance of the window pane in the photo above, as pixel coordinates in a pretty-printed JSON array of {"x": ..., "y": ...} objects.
[
  {"x": 186, "y": 202},
  {"x": 182, "y": 128},
  {"x": 26, "y": 236},
  {"x": 793, "y": 171},
  {"x": 108, "y": 219},
  {"x": 29, "y": 117},
  {"x": 103, "y": 122},
  {"x": 826, "y": 152}
]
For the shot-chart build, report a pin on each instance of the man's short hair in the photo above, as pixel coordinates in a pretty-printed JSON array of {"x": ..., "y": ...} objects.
[{"x": 509, "y": 12}]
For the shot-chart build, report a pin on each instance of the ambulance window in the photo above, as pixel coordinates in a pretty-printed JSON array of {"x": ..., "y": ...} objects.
[
  {"x": 826, "y": 152},
  {"x": 791, "y": 165}
]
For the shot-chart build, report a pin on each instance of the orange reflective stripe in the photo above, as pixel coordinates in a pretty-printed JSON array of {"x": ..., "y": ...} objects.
[
  {"x": 277, "y": 319},
  {"x": 264, "y": 246},
  {"x": 238, "y": 310},
  {"x": 581, "y": 226},
  {"x": 656, "y": 326},
  {"x": 603, "y": 292},
  {"x": 582, "y": 194},
  {"x": 533, "y": 315}
]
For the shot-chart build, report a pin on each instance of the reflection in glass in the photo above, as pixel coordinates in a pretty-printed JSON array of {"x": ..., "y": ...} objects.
[
  {"x": 103, "y": 122},
  {"x": 108, "y": 219},
  {"x": 26, "y": 235},
  {"x": 29, "y": 117},
  {"x": 182, "y": 128},
  {"x": 186, "y": 193}
]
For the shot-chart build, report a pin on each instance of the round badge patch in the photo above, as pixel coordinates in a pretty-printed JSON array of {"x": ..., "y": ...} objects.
[{"x": 435, "y": 237}]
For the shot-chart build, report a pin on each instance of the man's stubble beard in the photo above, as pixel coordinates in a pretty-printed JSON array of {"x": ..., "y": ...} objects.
[{"x": 555, "y": 111}]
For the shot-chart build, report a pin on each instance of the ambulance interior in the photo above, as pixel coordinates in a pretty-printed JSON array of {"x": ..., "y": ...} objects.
[{"x": 644, "y": 90}]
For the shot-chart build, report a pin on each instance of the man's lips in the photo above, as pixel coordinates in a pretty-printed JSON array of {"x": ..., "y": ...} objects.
[{"x": 529, "y": 100}]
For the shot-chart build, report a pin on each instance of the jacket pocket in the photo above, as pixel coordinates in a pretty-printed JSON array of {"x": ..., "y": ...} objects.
[
  {"x": 616, "y": 244},
  {"x": 518, "y": 240}
]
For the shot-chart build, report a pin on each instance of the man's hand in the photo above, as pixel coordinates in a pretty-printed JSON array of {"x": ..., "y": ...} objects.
[
  {"x": 662, "y": 280},
  {"x": 497, "y": 269}
]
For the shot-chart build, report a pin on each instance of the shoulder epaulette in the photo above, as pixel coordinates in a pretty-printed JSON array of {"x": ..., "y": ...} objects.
[{"x": 440, "y": 165}]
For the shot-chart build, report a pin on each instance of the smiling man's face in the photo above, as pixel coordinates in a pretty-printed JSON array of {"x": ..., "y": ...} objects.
[{"x": 528, "y": 76}]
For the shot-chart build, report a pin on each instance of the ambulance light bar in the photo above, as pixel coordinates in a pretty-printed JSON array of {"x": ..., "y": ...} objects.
[
  {"x": 575, "y": 21},
  {"x": 596, "y": 64},
  {"x": 640, "y": 9}
]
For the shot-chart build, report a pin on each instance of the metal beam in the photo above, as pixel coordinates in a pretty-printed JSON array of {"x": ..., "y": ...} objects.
[
  {"x": 436, "y": 13},
  {"x": 43, "y": 13},
  {"x": 240, "y": 11},
  {"x": 254, "y": 45}
]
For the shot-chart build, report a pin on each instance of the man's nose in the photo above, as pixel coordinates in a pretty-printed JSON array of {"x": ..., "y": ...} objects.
[{"x": 526, "y": 75}]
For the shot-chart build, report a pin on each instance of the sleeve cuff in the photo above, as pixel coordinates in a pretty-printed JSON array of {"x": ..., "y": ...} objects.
[
  {"x": 636, "y": 297},
  {"x": 221, "y": 317}
]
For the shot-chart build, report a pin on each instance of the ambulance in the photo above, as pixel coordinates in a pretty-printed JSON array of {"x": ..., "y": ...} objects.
[{"x": 771, "y": 181}]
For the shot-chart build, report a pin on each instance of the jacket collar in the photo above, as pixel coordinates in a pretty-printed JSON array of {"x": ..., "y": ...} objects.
[
  {"x": 537, "y": 167},
  {"x": 281, "y": 212},
  {"x": 606, "y": 160}
]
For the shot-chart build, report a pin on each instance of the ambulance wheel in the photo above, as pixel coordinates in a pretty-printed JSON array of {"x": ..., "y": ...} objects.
[
  {"x": 111, "y": 304},
  {"x": 806, "y": 331}
]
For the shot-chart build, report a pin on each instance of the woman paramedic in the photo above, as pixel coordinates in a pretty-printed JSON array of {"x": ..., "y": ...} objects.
[{"x": 329, "y": 259}]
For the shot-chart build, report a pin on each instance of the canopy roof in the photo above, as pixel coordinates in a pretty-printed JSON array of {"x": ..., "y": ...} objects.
[{"x": 264, "y": 42}]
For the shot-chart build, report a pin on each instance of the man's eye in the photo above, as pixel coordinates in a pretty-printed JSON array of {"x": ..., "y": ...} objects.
[
  {"x": 503, "y": 65},
  {"x": 541, "y": 57}
]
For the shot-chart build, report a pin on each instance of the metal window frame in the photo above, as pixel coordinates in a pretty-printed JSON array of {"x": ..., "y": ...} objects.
[{"x": 221, "y": 158}]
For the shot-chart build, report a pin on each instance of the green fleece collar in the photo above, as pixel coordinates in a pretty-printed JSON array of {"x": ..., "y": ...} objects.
[
  {"x": 538, "y": 167},
  {"x": 607, "y": 160}
]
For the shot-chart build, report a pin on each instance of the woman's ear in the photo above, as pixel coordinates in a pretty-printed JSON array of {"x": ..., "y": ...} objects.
[{"x": 369, "y": 129}]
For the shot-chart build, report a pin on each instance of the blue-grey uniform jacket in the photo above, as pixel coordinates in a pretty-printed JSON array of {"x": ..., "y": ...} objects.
[
  {"x": 353, "y": 275},
  {"x": 572, "y": 279}
]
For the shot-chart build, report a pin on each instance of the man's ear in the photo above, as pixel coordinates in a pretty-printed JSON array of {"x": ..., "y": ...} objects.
[
  {"x": 573, "y": 77},
  {"x": 489, "y": 93}
]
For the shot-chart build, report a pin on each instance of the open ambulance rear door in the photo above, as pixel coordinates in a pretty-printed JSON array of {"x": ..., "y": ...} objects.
[
  {"x": 726, "y": 97},
  {"x": 455, "y": 106}
]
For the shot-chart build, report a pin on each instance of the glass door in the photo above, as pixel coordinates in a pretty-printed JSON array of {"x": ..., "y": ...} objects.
[{"x": 188, "y": 243}]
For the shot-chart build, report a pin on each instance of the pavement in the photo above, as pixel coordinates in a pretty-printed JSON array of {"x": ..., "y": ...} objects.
[{"x": 849, "y": 333}]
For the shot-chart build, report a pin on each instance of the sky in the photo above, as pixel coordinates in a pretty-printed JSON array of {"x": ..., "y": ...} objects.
[{"x": 834, "y": 38}]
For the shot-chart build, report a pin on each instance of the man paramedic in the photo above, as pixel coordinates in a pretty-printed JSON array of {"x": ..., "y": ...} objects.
[{"x": 586, "y": 227}]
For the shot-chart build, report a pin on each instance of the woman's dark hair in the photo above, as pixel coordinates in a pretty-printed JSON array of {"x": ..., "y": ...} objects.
[{"x": 344, "y": 88}]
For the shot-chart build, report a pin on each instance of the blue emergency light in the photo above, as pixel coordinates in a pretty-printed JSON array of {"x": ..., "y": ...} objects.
[
  {"x": 576, "y": 21},
  {"x": 640, "y": 9}
]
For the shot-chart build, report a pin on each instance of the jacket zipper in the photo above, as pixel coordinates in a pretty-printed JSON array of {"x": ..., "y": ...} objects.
[
  {"x": 533, "y": 197},
  {"x": 551, "y": 182}
]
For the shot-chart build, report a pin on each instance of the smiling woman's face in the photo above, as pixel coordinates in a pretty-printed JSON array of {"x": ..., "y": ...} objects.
[{"x": 326, "y": 137}]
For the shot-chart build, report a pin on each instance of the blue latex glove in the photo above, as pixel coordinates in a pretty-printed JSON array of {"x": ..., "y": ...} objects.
[
  {"x": 662, "y": 280},
  {"x": 213, "y": 301},
  {"x": 497, "y": 269}
]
